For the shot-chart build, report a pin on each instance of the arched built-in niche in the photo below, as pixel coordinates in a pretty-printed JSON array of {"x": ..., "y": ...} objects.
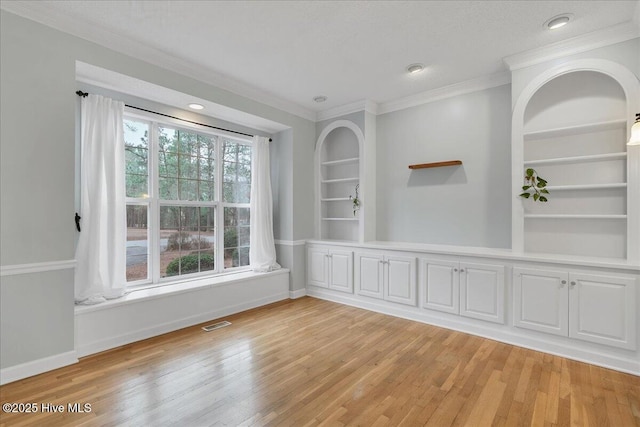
[
  {"x": 338, "y": 172},
  {"x": 571, "y": 125}
]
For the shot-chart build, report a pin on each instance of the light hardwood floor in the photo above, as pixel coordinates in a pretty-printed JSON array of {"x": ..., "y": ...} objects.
[{"x": 312, "y": 362}]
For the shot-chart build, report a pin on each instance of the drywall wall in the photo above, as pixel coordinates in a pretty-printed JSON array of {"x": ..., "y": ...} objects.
[
  {"x": 458, "y": 205},
  {"x": 37, "y": 151}
]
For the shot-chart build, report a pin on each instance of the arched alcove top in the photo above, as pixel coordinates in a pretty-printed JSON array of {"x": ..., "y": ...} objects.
[
  {"x": 623, "y": 76},
  {"x": 336, "y": 125},
  {"x": 575, "y": 99}
]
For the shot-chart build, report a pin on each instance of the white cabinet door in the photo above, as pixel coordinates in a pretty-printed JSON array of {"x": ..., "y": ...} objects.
[
  {"x": 603, "y": 309},
  {"x": 482, "y": 292},
  {"x": 441, "y": 285},
  {"x": 341, "y": 270},
  {"x": 400, "y": 283},
  {"x": 541, "y": 300},
  {"x": 317, "y": 263},
  {"x": 369, "y": 274}
]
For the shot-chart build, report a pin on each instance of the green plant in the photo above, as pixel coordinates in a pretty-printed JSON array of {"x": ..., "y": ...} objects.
[
  {"x": 356, "y": 201},
  {"x": 535, "y": 186},
  {"x": 189, "y": 264}
]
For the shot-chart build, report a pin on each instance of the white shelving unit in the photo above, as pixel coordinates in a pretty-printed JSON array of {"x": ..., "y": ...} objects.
[
  {"x": 338, "y": 154},
  {"x": 575, "y": 140}
]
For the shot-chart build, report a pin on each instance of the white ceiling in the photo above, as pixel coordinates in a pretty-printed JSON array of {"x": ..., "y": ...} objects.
[{"x": 286, "y": 52}]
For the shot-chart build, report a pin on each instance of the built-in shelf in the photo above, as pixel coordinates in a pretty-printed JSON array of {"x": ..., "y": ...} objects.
[
  {"x": 586, "y": 187},
  {"x": 436, "y": 164},
  {"x": 573, "y": 130},
  {"x": 573, "y": 216},
  {"x": 336, "y": 199},
  {"x": 341, "y": 162},
  {"x": 577, "y": 159},
  {"x": 339, "y": 219},
  {"x": 333, "y": 181}
]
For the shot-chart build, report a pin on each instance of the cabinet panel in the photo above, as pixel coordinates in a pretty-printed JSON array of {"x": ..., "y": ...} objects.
[
  {"x": 603, "y": 309},
  {"x": 317, "y": 267},
  {"x": 482, "y": 292},
  {"x": 341, "y": 270},
  {"x": 369, "y": 275},
  {"x": 540, "y": 300},
  {"x": 401, "y": 279},
  {"x": 441, "y": 286}
]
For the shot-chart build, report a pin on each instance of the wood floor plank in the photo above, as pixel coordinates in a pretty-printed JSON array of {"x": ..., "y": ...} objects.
[{"x": 310, "y": 362}]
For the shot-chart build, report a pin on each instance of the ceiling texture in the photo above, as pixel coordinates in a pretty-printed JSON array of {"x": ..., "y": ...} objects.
[{"x": 284, "y": 53}]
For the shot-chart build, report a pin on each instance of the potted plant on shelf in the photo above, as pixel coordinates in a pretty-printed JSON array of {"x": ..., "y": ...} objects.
[
  {"x": 355, "y": 200},
  {"x": 535, "y": 186}
]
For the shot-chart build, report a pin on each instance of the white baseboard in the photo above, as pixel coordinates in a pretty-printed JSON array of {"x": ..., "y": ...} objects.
[
  {"x": 35, "y": 367},
  {"x": 142, "y": 318},
  {"x": 297, "y": 293},
  {"x": 534, "y": 341},
  {"x": 142, "y": 334}
]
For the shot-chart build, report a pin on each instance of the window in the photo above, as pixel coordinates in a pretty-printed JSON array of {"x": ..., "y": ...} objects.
[{"x": 188, "y": 196}]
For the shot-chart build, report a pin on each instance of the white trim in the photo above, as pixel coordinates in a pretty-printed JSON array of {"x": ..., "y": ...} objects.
[
  {"x": 469, "y": 86},
  {"x": 491, "y": 253},
  {"x": 49, "y": 16},
  {"x": 35, "y": 367},
  {"x": 36, "y": 267},
  {"x": 473, "y": 327},
  {"x": 290, "y": 242},
  {"x": 163, "y": 328},
  {"x": 596, "y": 39},
  {"x": 342, "y": 110},
  {"x": 297, "y": 293},
  {"x": 155, "y": 311}
]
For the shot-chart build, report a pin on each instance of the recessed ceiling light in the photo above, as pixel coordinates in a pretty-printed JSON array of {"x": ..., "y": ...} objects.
[
  {"x": 415, "y": 68},
  {"x": 320, "y": 98},
  {"x": 558, "y": 21},
  {"x": 196, "y": 106}
]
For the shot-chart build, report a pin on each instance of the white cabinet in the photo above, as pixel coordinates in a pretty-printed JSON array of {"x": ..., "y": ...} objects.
[
  {"x": 330, "y": 268},
  {"x": 469, "y": 289},
  {"x": 541, "y": 300},
  {"x": 386, "y": 276},
  {"x": 369, "y": 275},
  {"x": 595, "y": 308}
]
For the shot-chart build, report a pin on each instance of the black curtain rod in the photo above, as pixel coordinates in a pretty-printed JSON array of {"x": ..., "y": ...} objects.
[{"x": 84, "y": 94}]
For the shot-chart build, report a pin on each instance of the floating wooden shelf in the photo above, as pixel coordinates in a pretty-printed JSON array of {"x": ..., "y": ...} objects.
[{"x": 436, "y": 164}]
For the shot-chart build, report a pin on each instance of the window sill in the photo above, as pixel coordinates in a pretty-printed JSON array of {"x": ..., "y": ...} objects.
[{"x": 137, "y": 295}]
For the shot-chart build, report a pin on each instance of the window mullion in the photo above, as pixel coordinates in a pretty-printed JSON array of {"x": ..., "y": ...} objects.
[
  {"x": 154, "y": 214},
  {"x": 219, "y": 250}
]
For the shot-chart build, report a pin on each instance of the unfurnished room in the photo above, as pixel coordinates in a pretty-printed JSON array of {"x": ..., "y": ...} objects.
[{"x": 335, "y": 213}]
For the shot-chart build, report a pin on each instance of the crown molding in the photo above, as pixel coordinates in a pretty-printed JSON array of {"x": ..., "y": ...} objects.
[
  {"x": 342, "y": 110},
  {"x": 596, "y": 39},
  {"x": 468, "y": 86},
  {"x": 49, "y": 16}
]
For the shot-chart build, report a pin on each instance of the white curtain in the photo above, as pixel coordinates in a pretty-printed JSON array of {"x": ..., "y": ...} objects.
[
  {"x": 262, "y": 251},
  {"x": 101, "y": 253}
]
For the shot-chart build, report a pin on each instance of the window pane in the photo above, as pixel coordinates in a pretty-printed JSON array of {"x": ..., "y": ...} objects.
[
  {"x": 168, "y": 188},
  {"x": 236, "y": 168},
  {"x": 236, "y": 237},
  {"x": 187, "y": 240},
  {"x": 136, "y": 140},
  {"x": 189, "y": 157},
  {"x": 187, "y": 189},
  {"x": 137, "y": 243}
]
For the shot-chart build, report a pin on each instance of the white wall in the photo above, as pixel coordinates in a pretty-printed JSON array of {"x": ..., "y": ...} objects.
[{"x": 458, "y": 205}]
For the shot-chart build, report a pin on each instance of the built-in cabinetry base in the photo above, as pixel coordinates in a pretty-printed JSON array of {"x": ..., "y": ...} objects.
[{"x": 581, "y": 309}]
